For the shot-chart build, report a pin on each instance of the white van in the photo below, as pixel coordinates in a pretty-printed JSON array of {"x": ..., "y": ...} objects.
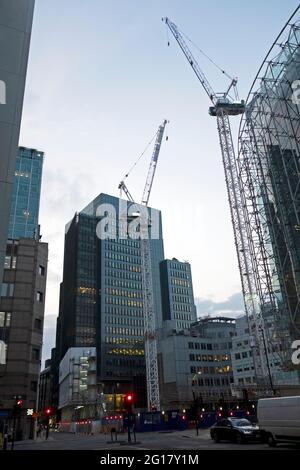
[{"x": 279, "y": 419}]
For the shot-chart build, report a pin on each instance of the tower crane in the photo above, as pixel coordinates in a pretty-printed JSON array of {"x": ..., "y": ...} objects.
[
  {"x": 223, "y": 106},
  {"x": 150, "y": 334}
]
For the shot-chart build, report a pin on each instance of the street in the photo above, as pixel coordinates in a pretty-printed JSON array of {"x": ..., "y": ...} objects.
[{"x": 145, "y": 441}]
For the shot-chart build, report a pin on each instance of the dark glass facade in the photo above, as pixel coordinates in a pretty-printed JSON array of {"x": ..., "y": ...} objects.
[
  {"x": 177, "y": 293},
  {"x": 24, "y": 214}
]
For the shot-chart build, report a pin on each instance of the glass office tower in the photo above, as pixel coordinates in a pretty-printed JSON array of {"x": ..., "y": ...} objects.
[
  {"x": 102, "y": 296},
  {"x": 177, "y": 294},
  {"x": 24, "y": 214},
  {"x": 269, "y": 170}
]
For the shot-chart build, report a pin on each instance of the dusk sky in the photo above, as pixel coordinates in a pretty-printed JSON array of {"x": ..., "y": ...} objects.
[{"x": 101, "y": 79}]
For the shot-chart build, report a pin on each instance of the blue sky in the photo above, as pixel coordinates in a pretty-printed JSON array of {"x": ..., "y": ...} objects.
[{"x": 101, "y": 78}]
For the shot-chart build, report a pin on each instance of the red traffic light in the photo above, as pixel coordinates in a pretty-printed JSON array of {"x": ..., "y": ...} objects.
[
  {"x": 20, "y": 403},
  {"x": 48, "y": 411},
  {"x": 128, "y": 401}
]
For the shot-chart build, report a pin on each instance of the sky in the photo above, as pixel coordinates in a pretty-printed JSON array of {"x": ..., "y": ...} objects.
[{"x": 101, "y": 78}]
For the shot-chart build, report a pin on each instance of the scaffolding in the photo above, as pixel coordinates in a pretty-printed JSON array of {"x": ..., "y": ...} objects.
[{"x": 268, "y": 166}]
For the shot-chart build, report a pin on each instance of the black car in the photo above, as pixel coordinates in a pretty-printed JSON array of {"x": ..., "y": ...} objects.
[{"x": 239, "y": 430}]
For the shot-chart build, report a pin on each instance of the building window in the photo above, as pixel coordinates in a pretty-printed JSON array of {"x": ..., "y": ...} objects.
[
  {"x": 10, "y": 262},
  {"x": 5, "y": 318},
  {"x": 39, "y": 296},
  {"x": 33, "y": 385},
  {"x": 244, "y": 355},
  {"x": 238, "y": 356},
  {"x": 35, "y": 354},
  {"x": 41, "y": 270},
  {"x": 7, "y": 290},
  {"x": 38, "y": 324}
]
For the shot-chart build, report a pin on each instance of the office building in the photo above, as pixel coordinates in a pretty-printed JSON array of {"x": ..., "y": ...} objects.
[
  {"x": 45, "y": 388},
  {"x": 243, "y": 366},
  {"x": 178, "y": 307},
  {"x": 24, "y": 213},
  {"x": 269, "y": 166},
  {"x": 22, "y": 305},
  {"x": 195, "y": 364},
  {"x": 78, "y": 385},
  {"x": 15, "y": 31},
  {"x": 101, "y": 302},
  {"x": 246, "y": 381}
]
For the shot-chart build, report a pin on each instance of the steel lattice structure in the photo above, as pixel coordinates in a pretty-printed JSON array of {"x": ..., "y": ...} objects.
[
  {"x": 150, "y": 328},
  {"x": 268, "y": 165}
]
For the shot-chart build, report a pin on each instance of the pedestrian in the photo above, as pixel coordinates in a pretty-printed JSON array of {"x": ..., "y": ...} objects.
[
  {"x": 132, "y": 430},
  {"x": 113, "y": 433},
  {"x": 197, "y": 425}
]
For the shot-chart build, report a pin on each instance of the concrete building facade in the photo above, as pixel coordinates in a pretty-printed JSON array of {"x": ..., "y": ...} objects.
[
  {"x": 277, "y": 381},
  {"x": 195, "y": 364},
  {"x": 243, "y": 366},
  {"x": 15, "y": 30},
  {"x": 22, "y": 305}
]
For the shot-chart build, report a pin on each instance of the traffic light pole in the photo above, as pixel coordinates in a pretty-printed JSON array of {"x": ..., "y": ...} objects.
[
  {"x": 47, "y": 427},
  {"x": 13, "y": 431},
  {"x": 128, "y": 428},
  {"x": 17, "y": 407}
]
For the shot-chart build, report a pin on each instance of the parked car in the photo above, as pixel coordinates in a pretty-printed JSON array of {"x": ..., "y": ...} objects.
[
  {"x": 239, "y": 430},
  {"x": 279, "y": 419}
]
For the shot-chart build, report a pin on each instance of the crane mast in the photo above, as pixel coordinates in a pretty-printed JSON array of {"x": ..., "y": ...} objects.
[
  {"x": 153, "y": 396},
  {"x": 223, "y": 107},
  {"x": 150, "y": 329},
  {"x": 153, "y": 164},
  {"x": 122, "y": 187}
]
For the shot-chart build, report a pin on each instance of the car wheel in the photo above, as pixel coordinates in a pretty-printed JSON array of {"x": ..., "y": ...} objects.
[
  {"x": 216, "y": 437},
  {"x": 239, "y": 439},
  {"x": 271, "y": 441}
]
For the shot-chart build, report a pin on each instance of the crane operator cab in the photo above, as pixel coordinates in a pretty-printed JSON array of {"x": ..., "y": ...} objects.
[{"x": 232, "y": 108}]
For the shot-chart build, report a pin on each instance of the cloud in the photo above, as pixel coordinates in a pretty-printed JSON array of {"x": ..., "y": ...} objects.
[{"x": 233, "y": 306}]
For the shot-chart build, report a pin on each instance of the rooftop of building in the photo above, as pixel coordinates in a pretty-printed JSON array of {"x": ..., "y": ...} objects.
[
  {"x": 168, "y": 260},
  {"x": 215, "y": 319},
  {"x": 39, "y": 153}
]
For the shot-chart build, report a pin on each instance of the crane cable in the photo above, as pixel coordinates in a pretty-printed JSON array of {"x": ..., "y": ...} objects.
[
  {"x": 142, "y": 154},
  {"x": 202, "y": 52}
]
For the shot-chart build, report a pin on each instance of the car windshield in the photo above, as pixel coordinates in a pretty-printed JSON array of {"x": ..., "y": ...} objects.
[{"x": 241, "y": 422}]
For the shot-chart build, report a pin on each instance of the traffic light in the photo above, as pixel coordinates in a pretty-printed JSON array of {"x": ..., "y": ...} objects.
[
  {"x": 128, "y": 401},
  {"x": 17, "y": 409},
  {"x": 48, "y": 411}
]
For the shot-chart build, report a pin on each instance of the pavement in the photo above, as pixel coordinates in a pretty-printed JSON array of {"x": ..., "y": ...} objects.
[{"x": 175, "y": 440}]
